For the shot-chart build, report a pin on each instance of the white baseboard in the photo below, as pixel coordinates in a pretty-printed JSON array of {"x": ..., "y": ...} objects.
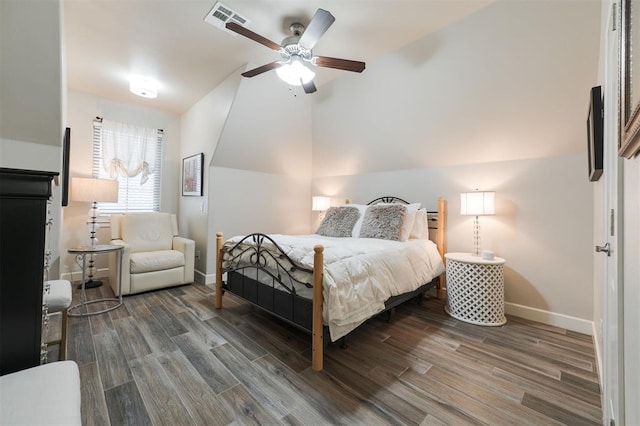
[
  {"x": 206, "y": 279},
  {"x": 596, "y": 343},
  {"x": 551, "y": 318},
  {"x": 76, "y": 276}
]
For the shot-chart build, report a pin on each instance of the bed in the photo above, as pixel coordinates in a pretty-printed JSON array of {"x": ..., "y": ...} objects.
[{"x": 364, "y": 260}]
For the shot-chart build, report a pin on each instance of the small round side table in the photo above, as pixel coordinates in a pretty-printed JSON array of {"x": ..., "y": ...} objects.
[
  {"x": 82, "y": 306},
  {"x": 475, "y": 289}
]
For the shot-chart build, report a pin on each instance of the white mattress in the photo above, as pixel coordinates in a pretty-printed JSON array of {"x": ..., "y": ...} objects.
[{"x": 360, "y": 274}]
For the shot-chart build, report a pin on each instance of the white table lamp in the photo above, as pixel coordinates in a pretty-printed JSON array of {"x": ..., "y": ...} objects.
[
  {"x": 94, "y": 191},
  {"x": 479, "y": 203}
]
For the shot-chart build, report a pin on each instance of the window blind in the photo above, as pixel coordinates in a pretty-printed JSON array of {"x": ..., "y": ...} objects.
[{"x": 132, "y": 196}]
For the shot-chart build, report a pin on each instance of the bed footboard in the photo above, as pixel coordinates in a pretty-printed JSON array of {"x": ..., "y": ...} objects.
[{"x": 284, "y": 301}]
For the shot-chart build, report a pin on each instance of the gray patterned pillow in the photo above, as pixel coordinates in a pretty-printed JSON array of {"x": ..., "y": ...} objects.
[
  {"x": 338, "y": 222},
  {"x": 384, "y": 222}
]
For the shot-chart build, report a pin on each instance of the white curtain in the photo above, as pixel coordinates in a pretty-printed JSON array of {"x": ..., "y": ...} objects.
[{"x": 128, "y": 150}]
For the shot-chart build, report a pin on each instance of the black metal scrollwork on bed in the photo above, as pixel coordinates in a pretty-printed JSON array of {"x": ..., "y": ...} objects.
[
  {"x": 258, "y": 252},
  {"x": 387, "y": 200}
]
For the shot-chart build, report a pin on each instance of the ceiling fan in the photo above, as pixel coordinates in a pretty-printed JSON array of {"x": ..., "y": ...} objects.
[{"x": 296, "y": 51}]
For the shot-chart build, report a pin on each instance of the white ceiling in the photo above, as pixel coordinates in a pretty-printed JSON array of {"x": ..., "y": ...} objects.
[{"x": 107, "y": 41}]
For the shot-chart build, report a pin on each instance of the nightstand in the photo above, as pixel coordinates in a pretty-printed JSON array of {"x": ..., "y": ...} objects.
[{"x": 475, "y": 289}]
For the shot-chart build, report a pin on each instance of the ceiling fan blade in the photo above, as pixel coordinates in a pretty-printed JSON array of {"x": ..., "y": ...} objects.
[
  {"x": 309, "y": 87},
  {"x": 339, "y": 64},
  {"x": 318, "y": 25},
  {"x": 263, "y": 68},
  {"x": 236, "y": 28}
]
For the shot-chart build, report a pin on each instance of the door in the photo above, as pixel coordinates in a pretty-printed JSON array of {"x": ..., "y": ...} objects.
[{"x": 613, "y": 378}]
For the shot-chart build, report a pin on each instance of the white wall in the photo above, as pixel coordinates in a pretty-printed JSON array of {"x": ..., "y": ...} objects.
[
  {"x": 30, "y": 87},
  {"x": 631, "y": 279},
  {"x": 491, "y": 102},
  {"x": 82, "y": 109},
  {"x": 539, "y": 226},
  {"x": 202, "y": 125},
  {"x": 268, "y": 129},
  {"x": 508, "y": 82},
  {"x": 31, "y": 95},
  {"x": 257, "y": 144}
]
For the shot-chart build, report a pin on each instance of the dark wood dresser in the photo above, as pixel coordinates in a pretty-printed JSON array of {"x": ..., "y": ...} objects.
[{"x": 24, "y": 197}]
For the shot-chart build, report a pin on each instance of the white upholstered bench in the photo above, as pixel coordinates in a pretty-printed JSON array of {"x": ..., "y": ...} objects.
[{"x": 48, "y": 394}]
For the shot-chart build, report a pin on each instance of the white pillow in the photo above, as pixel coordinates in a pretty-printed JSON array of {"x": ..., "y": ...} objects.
[
  {"x": 362, "y": 208},
  {"x": 420, "y": 228}
]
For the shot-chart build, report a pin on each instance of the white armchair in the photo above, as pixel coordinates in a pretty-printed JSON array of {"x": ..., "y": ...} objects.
[{"x": 153, "y": 256}]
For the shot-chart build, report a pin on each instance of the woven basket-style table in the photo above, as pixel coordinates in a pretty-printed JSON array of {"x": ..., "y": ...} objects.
[{"x": 475, "y": 289}]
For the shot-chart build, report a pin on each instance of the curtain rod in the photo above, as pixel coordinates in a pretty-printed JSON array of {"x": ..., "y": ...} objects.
[{"x": 99, "y": 120}]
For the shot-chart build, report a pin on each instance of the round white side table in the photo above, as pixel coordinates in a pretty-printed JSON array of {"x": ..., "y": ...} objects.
[{"x": 475, "y": 289}]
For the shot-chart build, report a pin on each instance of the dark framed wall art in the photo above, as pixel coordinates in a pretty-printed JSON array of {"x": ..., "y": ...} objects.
[
  {"x": 595, "y": 134},
  {"x": 192, "y": 174},
  {"x": 66, "y": 154}
]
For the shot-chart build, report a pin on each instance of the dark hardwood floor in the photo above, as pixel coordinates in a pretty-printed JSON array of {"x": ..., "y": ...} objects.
[{"x": 169, "y": 358}]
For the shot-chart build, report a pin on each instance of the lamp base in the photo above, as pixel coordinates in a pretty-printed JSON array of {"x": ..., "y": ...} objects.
[{"x": 90, "y": 284}]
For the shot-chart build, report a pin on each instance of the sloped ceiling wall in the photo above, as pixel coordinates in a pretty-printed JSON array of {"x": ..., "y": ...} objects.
[
  {"x": 508, "y": 82},
  {"x": 268, "y": 129}
]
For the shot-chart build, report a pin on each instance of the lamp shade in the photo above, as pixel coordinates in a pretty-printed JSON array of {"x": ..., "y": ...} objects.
[
  {"x": 479, "y": 203},
  {"x": 320, "y": 204},
  {"x": 90, "y": 190}
]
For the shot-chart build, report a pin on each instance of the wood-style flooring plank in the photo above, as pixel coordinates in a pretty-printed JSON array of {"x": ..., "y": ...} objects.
[
  {"x": 278, "y": 400},
  {"x": 166, "y": 319},
  {"x": 126, "y": 407},
  {"x": 394, "y": 407},
  {"x": 245, "y": 408},
  {"x": 163, "y": 404},
  {"x": 203, "y": 405},
  {"x": 212, "y": 370},
  {"x": 201, "y": 329},
  {"x": 80, "y": 342},
  {"x": 556, "y": 412},
  {"x": 134, "y": 344},
  {"x": 250, "y": 349},
  {"x": 112, "y": 361},
  {"x": 94, "y": 406}
]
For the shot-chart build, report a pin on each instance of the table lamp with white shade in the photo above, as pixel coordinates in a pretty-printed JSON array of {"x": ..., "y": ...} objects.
[
  {"x": 94, "y": 191},
  {"x": 479, "y": 203}
]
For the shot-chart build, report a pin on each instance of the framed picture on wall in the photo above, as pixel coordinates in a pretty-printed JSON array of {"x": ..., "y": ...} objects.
[
  {"x": 192, "y": 173},
  {"x": 595, "y": 134}
]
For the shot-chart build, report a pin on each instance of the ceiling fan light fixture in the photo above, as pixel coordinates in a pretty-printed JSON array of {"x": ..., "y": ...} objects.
[
  {"x": 143, "y": 86},
  {"x": 295, "y": 73}
]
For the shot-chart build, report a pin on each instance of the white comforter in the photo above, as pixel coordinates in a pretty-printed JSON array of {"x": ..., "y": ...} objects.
[{"x": 360, "y": 274}]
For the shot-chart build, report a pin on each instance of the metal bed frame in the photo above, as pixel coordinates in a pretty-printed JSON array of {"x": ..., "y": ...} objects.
[{"x": 280, "y": 297}]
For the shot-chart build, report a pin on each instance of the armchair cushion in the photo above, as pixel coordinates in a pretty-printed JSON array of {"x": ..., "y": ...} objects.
[
  {"x": 146, "y": 232},
  {"x": 155, "y": 261}
]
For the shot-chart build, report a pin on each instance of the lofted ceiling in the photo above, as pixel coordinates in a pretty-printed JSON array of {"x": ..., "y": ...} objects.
[{"x": 107, "y": 41}]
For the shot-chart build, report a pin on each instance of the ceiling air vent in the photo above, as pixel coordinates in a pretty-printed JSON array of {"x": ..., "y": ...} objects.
[{"x": 220, "y": 14}]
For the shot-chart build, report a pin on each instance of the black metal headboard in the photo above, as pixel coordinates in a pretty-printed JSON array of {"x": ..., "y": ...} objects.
[
  {"x": 432, "y": 215},
  {"x": 388, "y": 200}
]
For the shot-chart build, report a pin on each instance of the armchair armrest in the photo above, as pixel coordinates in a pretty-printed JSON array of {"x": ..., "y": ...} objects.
[
  {"x": 188, "y": 248},
  {"x": 114, "y": 271}
]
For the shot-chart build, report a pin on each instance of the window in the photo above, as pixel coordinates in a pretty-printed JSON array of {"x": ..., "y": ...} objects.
[{"x": 133, "y": 155}]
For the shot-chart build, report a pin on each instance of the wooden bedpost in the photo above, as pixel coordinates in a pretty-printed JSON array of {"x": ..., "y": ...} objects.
[
  {"x": 441, "y": 243},
  {"x": 219, "y": 270},
  {"x": 317, "y": 345}
]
